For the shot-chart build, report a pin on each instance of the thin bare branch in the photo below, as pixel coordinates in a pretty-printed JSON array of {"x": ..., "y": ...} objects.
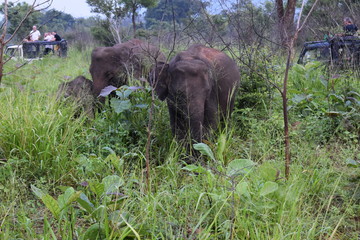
[
  {"x": 6, "y": 19},
  {"x": 17, "y": 68},
  {"x": 307, "y": 17}
]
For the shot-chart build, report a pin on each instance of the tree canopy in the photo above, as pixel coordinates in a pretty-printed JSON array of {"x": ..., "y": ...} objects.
[
  {"x": 119, "y": 8},
  {"x": 56, "y": 20},
  {"x": 164, "y": 11},
  {"x": 16, "y": 12}
]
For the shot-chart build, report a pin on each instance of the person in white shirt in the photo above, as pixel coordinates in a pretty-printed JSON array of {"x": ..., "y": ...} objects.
[
  {"x": 34, "y": 34},
  {"x": 48, "y": 37}
]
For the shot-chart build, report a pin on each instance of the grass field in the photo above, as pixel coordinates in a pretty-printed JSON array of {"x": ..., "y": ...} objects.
[{"x": 77, "y": 178}]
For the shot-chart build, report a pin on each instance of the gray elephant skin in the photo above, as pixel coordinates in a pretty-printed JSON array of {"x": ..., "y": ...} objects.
[
  {"x": 199, "y": 85},
  {"x": 79, "y": 91},
  {"x": 114, "y": 65}
]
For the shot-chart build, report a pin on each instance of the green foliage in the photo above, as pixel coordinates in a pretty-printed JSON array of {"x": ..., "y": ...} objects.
[
  {"x": 53, "y": 20},
  {"x": 204, "y": 149},
  {"x": 330, "y": 103},
  {"x": 324, "y": 22},
  {"x": 239, "y": 166},
  {"x": 117, "y": 9},
  {"x": 163, "y": 11},
  {"x": 258, "y": 74},
  {"x": 101, "y": 32}
]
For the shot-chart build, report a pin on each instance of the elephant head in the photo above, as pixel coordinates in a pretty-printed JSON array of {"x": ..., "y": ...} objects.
[
  {"x": 108, "y": 67},
  {"x": 76, "y": 88},
  {"x": 79, "y": 91},
  {"x": 159, "y": 80},
  {"x": 114, "y": 65}
]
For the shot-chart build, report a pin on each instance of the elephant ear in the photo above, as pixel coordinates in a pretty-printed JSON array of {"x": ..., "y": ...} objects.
[{"x": 159, "y": 79}]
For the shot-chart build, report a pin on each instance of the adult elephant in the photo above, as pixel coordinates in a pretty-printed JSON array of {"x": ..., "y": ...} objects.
[
  {"x": 199, "y": 85},
  {"x": 114, "y": 65}
]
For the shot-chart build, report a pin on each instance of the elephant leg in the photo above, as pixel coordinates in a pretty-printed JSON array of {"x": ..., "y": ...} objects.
[{"x": 211, "y": 114}]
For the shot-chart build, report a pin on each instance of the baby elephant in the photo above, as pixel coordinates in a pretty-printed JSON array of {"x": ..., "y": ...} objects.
[
  {"x": 79, "y": 90},
  {"x": 199, "y": 85}
]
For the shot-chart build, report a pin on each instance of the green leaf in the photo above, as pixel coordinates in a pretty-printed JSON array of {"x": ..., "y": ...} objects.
[
  {"x": 269, "y": 187},
  {"x": 48, "y": 228},
  {"x": 120, "y": 106},
  {"x": 298, "y": 98},
  {"x": 352, "y": 163},
  {"x": 267, "y": 172},
  {"x": 48, "y": 200},
  {"x": 95, "y": 232},
  {"x": 52, "y": 205},
  {"x": 239, "y": 166},
  {"x": 38, "y": 192},
  {"x": 117, "y": 218},
  {"x": 204, "y": 149},
  {"x": 353, "y": 93},
  {"x": 84, "y": 201},
  {"x": 112, "y": 183},
  {"x": 221, "y": 147},
  {"x": 194, "y": 168},
  {"x": 336, "y": 98},
  {"x": 124, "y": 92},
  {"x": 109, "y": 150},
  {"x": 97, "y": 188},
  {"x": 73, "y": 197},
  {"x": 324, "y": 81},
  {"x": 242, "y": 189},
  {"x": 141, "y": 106},
  {"x": 63, "y": 198}
]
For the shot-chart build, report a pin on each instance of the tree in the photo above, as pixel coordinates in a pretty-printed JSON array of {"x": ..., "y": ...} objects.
[
  {"x": 101, "y": 32},
  {"x": 56, "y": 20},
  {"x": 322, "y": 23},
  {"x": 115, "y": 9},
  {"x": 285, "y": 18},
  {"x": 15, "y": 15},
  {"x": 134, "y": 5},
  {"x": 164, "y": 10}
]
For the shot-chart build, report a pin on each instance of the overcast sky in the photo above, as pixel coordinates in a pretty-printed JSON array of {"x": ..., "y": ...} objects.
[{"x": 79, "y": 8}]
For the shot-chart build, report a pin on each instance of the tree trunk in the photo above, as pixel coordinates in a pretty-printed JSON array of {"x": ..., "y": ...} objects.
[
  {"x": 285, "y": 17},
  {"x": 133, "y": 20},
  {"x": 1, "y": 61},
  {"x": 2, "y": 40},
  {"x": 285, "y": 115}
]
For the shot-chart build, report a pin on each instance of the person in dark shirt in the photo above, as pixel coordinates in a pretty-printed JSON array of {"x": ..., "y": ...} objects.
[
  {"x": 349, "y": 27},
  {"x": 56, "y": 36}
]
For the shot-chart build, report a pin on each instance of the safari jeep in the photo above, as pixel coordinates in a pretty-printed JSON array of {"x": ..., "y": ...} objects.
[
  {"x": 15, "y": 51},
  {"x": 341, "y": 51},
  {"x": 34, "y": 50}
]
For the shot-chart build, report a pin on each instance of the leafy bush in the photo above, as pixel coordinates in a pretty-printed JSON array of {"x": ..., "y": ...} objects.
[
  {"x": 122, "y": 124},
  {"x": 329, "y": 104}
]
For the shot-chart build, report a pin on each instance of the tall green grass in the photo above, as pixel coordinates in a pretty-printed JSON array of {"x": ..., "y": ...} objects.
[
  {"x": 88, "y": 180},
  {"x": 37, "y": 133}
]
